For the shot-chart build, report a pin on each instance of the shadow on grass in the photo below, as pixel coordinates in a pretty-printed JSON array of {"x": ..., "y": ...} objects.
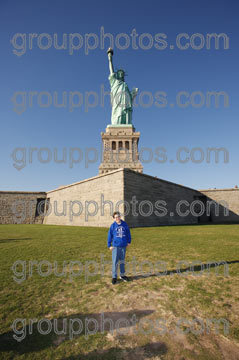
[
  {"x": 137, "y": 353},
  {"x": 205, "y": 224},
  {"x": 52, "y": 332},
  {"x": 196, "y": 268},
  {"x": 10, "y": 240}
]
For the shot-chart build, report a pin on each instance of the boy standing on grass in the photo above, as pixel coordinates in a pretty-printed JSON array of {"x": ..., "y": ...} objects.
[{"x": 119, "y": 234}]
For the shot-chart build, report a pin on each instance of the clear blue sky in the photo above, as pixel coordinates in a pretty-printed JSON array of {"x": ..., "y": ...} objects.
[{"x": 169, "y": 70}]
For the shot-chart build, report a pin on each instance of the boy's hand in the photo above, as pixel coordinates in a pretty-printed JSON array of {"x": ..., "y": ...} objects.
[
  {"x": 111, "y": 247},
  {"x": 128, "y": 244}
]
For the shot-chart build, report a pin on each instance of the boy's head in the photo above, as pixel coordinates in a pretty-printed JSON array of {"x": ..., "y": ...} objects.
[{"x": 116, "y": 216}]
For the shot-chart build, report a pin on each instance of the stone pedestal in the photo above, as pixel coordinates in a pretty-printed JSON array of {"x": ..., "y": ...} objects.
[{"x": 120, "y": 149}]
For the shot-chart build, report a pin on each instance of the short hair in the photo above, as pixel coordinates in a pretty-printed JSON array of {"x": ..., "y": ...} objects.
[{"x": 116, "y": 213}]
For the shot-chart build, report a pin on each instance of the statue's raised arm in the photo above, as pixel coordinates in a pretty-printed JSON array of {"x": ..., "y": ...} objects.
[
  {"x": 110, "y": 55},
  {"x": 121, "y": 97}
]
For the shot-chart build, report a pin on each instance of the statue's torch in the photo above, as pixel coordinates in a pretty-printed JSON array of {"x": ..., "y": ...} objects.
[{"x": 110, "y": 51}]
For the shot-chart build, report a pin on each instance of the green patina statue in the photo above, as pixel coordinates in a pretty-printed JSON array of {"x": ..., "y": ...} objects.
[{"x": 121, "y": 98}]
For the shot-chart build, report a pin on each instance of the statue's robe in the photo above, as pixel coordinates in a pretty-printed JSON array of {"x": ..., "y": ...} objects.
[{"x": 121, "y": 100}]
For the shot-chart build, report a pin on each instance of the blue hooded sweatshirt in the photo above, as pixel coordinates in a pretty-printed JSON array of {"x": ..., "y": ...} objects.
[{"x": 119, "y": 234}]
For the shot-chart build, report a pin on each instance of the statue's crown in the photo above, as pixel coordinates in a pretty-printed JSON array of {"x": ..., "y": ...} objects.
[{"x": 121, "y": 70}]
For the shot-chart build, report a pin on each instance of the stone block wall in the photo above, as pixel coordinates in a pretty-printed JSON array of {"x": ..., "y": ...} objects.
[
  {"x": 147, "y": 201},
  {"x": 229, "y": 199},
  {"x": 199, "y": 206},
  {"x": 147, "y": 190},
  {"x": 89, "y": 202},
  {"x": 20, "y": 207}
]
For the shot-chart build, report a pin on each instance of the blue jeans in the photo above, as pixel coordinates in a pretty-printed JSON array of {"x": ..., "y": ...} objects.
[{"x": 118, "y": 256}]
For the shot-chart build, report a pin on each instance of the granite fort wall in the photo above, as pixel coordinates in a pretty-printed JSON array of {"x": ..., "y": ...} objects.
[
  {"x": 91, "y": 202},
  {"x": 84, "y": 198},
  {"x": 229, "y": 198},
  {"x": 148, "y": 189},
  {"x": 20, "y": 207},
  {"x": 220, "y": 206}
]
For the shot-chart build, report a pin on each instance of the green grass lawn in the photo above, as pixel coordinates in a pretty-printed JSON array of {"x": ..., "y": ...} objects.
[{"x": 82, "y": 293}]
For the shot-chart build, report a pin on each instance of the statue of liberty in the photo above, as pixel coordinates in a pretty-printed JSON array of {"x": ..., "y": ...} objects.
[{"x": 121, "y": 98}]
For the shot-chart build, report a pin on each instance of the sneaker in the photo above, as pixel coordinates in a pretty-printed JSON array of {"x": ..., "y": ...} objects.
[
  {"x": 124, "y": 278},
  {"x": 114, "y": 281}
]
